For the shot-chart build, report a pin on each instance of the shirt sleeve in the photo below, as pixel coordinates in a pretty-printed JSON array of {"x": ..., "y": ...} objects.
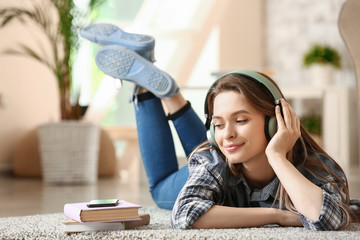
[
  {"x": 331, "y": 215},
  {"x": 201, "y": 191}
]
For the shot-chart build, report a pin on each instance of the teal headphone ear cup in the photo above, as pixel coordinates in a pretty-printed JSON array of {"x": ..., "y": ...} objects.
[
  {"x": 270, "y": 127},
  {"x": 211, "y": 135}
]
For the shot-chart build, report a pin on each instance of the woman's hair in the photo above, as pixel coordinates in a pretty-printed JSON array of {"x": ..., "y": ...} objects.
[{"x": 306, "y": 152}]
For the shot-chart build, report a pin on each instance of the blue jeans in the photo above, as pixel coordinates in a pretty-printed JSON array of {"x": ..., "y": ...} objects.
[{"x": 158, "y": 151}]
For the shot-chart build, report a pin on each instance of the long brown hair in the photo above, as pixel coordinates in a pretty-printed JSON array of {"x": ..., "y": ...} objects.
[{"x": 306, "y": 152}]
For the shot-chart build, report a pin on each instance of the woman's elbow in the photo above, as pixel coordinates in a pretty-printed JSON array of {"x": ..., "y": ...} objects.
[{"x": 197, "y": 225}]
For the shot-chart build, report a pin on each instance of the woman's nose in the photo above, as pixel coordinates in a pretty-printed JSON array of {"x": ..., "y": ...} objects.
[{"x": 229, "y": 132}]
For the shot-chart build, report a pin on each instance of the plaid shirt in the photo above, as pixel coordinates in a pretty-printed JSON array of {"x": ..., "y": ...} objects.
[{"x": 210, "y": 183}]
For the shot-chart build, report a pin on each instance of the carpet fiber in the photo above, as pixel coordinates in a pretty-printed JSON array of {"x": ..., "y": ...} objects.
[{"x": 49, "y": 226}]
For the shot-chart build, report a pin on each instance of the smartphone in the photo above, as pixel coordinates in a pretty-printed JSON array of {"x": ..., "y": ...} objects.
[{"x": 103, "y": 203}]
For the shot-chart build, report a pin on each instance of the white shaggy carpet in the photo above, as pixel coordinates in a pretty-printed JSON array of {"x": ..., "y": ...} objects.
[{"x": 49, "y": 226}]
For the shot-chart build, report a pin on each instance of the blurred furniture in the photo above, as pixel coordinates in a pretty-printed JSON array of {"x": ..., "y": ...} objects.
[
  {"x": 338, "y": 120},
  {"x": 128, "y": 162},
  {"x": 340, "y": 139},
  {"x": 348, "y": 23},
  {"x": 27, "y": 161}
]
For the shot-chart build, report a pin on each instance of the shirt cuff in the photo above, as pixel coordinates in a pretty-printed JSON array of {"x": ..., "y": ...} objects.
[{"x": 331, "y": 216}]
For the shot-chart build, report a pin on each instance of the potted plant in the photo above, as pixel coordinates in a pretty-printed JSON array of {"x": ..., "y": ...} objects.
[
  {"x": 65, "y": 157},
  {"x": 62, "y": 37},
  {"x": 312, "y": 123},
  {"x": 323, "y": 59}
]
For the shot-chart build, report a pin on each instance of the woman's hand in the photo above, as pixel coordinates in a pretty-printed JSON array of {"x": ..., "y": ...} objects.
[
  {"x": 289, "y": 219},
  {"x": 288, "y": 131}
]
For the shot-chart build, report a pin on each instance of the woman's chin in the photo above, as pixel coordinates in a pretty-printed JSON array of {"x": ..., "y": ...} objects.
[{"x": 234, "y": 160}]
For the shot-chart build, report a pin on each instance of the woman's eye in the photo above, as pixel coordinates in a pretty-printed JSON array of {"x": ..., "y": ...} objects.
[
  {"x": 241, "y": 120},
  {"x": 218, "y": 125}
]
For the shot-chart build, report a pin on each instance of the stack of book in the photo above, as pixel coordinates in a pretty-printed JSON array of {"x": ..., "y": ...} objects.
[{"x": 123, "y": 216}]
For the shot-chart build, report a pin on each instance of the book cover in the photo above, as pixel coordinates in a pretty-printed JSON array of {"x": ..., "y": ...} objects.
[
  {"x": 72, "y": 226},
  {"x": 80, "y": 212}
]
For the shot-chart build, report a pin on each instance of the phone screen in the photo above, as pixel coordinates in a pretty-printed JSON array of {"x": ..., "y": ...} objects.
[{"x": 103, "y": 203}]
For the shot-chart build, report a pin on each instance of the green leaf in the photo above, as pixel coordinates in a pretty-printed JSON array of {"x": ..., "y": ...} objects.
[
  {"x": 63, "y": 38},
  {"x": 322, "y": 54}
]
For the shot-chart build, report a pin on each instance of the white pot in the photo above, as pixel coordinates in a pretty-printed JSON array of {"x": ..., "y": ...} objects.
[
  {"x": 323, "y": 75},
  {"x": 69, "y": 152}
]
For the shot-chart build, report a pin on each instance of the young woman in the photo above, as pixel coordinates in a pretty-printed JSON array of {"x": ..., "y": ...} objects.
[
  {"x": 258, "y": 166},
  {"x": 252, "y": 178}
]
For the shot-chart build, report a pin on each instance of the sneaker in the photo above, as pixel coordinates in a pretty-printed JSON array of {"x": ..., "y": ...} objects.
[
  {"x": 109, "y": 34},
  {"x": 125, "y": 64}
]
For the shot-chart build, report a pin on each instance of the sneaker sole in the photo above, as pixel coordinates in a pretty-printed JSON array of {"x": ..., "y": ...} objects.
[
  {"x": 122, "y": 63},
  {"x": 108, "y": 34}
]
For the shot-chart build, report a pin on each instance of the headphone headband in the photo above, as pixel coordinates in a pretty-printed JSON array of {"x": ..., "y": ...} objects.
[{"x": 255, "y": 76}]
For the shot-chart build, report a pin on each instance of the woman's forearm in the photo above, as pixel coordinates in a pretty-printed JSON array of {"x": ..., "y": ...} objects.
[
  {"x": 306, "y": 196},
  {"x": 233, "y": 217}
]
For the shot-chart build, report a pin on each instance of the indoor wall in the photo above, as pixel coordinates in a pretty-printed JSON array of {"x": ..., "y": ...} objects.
[{"x": 28, "y": 90}]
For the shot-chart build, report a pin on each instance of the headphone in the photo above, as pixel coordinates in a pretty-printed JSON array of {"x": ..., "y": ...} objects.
[{"x": 270, "y": 122}]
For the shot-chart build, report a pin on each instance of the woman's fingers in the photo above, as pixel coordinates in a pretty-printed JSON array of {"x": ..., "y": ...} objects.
[
  {"x": 279, "y": 118},
  {"x": 289, "y": 123},
  {"x": 288, "y": 130},
  {"x": 295, "y": 121},
  {"x": 288, "y": 114}
]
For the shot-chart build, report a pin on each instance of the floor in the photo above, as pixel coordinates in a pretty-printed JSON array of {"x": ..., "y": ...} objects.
[
  {"x": 28, "y": 196},
  {"x": 24, "y": 196}
]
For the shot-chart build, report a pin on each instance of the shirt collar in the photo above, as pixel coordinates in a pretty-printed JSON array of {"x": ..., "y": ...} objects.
[{"x": 260, "y": 194}]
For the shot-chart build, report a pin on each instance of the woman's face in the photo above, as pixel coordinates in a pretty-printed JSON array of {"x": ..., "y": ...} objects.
[{"x": 239, "y": 128}]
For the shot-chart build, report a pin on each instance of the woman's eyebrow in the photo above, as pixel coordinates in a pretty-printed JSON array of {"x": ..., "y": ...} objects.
[{"x": 232, "y": 114}]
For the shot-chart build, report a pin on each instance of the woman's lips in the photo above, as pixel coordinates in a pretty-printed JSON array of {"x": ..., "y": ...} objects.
[{"x": 233, "y": 147}]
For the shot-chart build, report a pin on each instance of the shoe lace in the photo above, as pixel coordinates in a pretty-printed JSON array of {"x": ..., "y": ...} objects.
[{"x": 134, "y": 96}]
